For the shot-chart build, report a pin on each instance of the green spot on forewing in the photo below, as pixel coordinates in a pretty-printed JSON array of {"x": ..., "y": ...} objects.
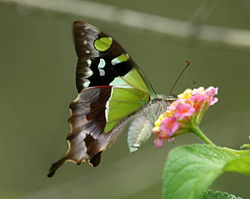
[
  {"x": 122, "y": 58},
  {"x": 103, "y": 44}
]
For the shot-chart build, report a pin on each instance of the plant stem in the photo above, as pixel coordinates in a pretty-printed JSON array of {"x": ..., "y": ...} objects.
[{"x": 196, "y": 130}]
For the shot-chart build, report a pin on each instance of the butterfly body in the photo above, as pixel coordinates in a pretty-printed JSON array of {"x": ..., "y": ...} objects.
[
  {"x": 142, "y": 123},
  {"x": 113, "y": 94}
]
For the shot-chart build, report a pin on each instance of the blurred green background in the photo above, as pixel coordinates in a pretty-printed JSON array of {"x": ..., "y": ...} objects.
[{"x": 37, "y": 83}]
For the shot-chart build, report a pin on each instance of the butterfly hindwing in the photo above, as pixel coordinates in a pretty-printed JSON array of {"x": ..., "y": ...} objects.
[
  {"x": 111, "y": 89},
  {"x": 95, "y": 121}
]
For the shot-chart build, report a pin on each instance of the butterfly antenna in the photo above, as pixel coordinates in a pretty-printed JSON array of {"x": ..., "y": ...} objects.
[{"x": 184, "y": 69}]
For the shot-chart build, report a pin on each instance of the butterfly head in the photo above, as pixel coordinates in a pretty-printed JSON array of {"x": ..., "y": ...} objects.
[{"x": 166, "y": 98}]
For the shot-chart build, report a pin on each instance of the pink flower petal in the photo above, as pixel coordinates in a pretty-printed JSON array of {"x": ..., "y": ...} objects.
[
  {"x": 170, "y": 139},
  {"x": 211, "y": 91},
  {"x": 213, "y": 101},
  {"x": 169, "y": 126},
  {"x": 199, "y": 100},
  {"x": 158, "y": 143},
  {"x": 183, "y": 110}
]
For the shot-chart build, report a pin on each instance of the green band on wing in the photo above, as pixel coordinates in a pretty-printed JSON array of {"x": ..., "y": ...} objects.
[
  {"x": 123, "y": 101},
  {"x": 103, "y": 43},
  {"x": 122, "y": 58},
  {"x": 134, "y": 78}
]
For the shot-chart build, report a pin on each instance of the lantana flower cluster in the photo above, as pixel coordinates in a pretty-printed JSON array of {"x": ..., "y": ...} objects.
[{"x": 183, "y": 114}]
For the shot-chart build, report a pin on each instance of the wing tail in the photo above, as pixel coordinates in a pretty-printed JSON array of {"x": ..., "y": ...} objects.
[{"x": 55, "y": 166}]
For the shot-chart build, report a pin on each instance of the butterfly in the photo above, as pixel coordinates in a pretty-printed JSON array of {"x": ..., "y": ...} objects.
[{"x": 113, "y": 94}]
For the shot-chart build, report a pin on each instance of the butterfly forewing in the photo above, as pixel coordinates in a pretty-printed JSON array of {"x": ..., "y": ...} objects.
[{"x": 102, "y": 61}]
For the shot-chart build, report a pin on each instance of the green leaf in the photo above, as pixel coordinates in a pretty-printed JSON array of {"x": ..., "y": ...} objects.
[
  {"x": 219, "y": 195},
  {"x": 189, "y": 170},
  {"x": 245, "y": 146}
]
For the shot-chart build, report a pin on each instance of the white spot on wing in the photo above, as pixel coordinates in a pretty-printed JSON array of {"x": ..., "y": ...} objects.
[
  {"x": 87, "y": 51},
  {"x": 85, "y": 42},
  {"x": 89, "y": 62},
  {"x": 102, "y": 72},
  {"x": 101, "y": 65},
  {"x": 88, "y": 73},
  {"x": 86, "y": 83}
]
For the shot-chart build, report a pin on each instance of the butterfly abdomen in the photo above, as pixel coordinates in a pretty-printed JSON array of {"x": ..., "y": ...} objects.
[{"x": 140, "y": 128}]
